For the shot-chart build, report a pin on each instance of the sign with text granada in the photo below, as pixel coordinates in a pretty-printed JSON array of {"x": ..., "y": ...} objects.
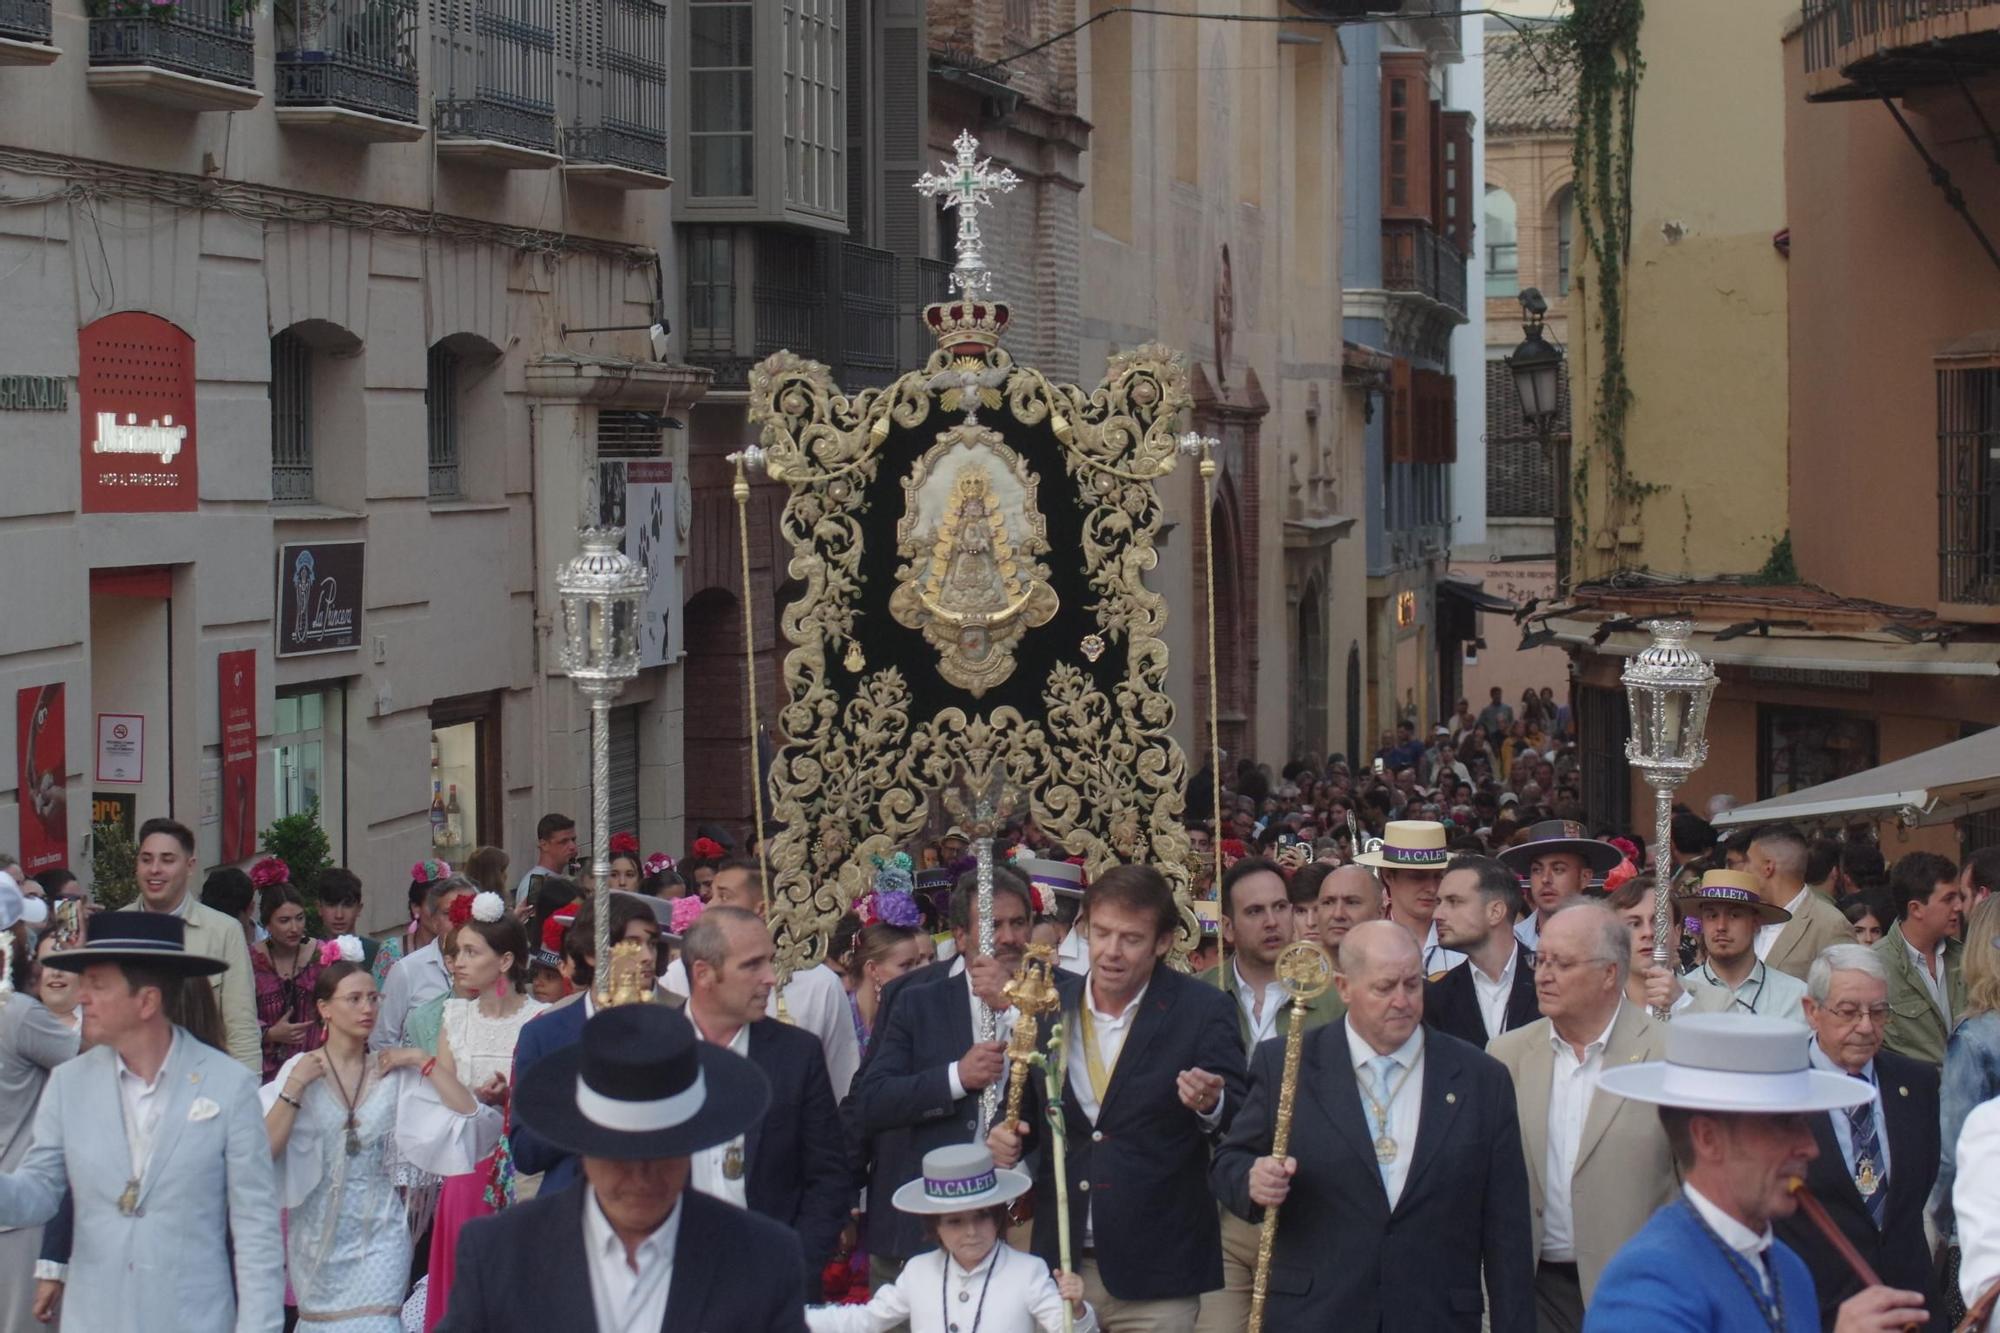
[{"x": 135, "y": 394}]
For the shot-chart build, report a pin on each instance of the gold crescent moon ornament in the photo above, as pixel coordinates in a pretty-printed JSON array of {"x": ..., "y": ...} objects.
[{"x": 1305, "y": 970}]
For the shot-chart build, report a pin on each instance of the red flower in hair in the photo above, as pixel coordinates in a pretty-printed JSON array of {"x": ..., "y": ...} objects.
[
  {"x": 461, "y": 909},
  {"x": 707, "y": 849},
  {"x": 553, "y": 931},
  {"x": 624, "y": 844}
]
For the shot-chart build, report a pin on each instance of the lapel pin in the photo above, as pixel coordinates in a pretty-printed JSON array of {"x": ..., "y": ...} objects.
[
  {"x": 1902, "y": 1091},
  {"x": 1450, "y": 1097}
]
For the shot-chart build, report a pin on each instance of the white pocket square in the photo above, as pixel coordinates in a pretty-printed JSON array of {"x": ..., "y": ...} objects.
[{"x": 203, "y": 1109}]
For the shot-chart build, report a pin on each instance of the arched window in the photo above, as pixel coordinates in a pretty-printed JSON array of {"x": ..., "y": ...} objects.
[
  {"x": 1565, "y": 225},
  {"x": 1503, "y": 253}
]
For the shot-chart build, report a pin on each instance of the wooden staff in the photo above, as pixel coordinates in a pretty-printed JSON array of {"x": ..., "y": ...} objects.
[
  {"x": 1816, "y": 1213},
  {"x": 1051, "y": 1062},
  {"x": 1305, "y": 972}
]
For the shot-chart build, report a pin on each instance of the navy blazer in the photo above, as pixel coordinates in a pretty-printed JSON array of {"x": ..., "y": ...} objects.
[
  {"x": 1142, "y": 1167},
  {"x": 795, "y": 1164},
  {"x": 1898, "y": 1251},
  {"x": 1451, "y": 1003},
  {"x": 1462, "y": 1216},
  {"x": 542, "y": 1036},
  {"x": 901, "y": 1105},
  {"x": 524, "y": 1269}
]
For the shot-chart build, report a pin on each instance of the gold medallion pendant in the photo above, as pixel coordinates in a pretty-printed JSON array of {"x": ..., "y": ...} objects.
[
  {"x": 1385, "y": 1150},
  {"x": 1865, "y": 1178},
  {"x": 732, "y": 1162}
]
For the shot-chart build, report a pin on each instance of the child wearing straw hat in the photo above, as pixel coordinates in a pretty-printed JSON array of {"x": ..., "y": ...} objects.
[{"x": 973, "y": 1282}]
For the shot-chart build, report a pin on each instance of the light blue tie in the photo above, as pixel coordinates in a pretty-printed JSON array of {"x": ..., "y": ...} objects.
[{"x": 1382, "y": 1065}]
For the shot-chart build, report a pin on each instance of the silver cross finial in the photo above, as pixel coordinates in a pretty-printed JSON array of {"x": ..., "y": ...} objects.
[{"x": 966, "y": 184}]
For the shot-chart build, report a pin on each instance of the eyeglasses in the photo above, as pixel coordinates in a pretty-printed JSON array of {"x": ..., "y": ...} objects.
[
  {"x": 1556, "y": 964},
  {"x": 1878, "y": 1014}
]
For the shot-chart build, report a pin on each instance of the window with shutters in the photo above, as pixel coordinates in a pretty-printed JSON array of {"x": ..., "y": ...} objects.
[
  {"x": 1603, "y": 724},
  {"x": 711, "y": 290},
  {"x": 611, "y": 89},
  {"x": 1520, "y": 469},
  {"x": 762, "y": 112},
  {"x": 1565, "y": 227},
  {"x": 1968, "y": 425},
  {"x": 625, "y": 769},
  {"x": 1459, "y": 185},
  {"x": 441, "y": 385},
  {"x": 291, "y": 419},
  {"x": 1503, "y": 252},
  {"x": 1406, "y": 136},
  {"x": 493, "y": 72}
]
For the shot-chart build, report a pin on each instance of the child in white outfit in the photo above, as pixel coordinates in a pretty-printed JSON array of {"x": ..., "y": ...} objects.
[{"x": 973, "y": 1282}]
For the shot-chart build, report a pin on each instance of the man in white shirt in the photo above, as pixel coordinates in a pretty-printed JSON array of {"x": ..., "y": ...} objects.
[
  {"x": 1597, "y": 1165},
  {"x": 1411, "y": 862},
  {"x": 1493, "y": 990},
  {"x": 422, "y": 975},
  {"x": 555, "y": 848},
  {"x": 1558, "y": 860},
  {"x": 1732, "y": 979},
  {"x": 631, "y": 1249},
  {"x": 165, "y": 867}
]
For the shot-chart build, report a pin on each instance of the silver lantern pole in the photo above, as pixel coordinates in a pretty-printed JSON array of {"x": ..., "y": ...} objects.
[
  {"x": 601, "y": 589},
  {"x": 1668, "y": 686}
]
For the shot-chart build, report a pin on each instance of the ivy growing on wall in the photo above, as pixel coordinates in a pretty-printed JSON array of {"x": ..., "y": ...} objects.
[{"x": 1599, "y": 39}]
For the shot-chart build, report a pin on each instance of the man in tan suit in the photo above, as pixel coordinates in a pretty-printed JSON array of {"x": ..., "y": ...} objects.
[
  {"x": 1597, "y": 1165},
  {"x": 1778, "y": 860},
  {"x": 165, "y": 867}
]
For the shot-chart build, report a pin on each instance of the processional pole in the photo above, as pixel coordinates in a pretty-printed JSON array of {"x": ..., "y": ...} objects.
[{"x": 1195, "y": 444}]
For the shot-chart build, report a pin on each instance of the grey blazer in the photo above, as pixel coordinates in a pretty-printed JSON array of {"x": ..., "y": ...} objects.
[{"x": 209, "y": 1184}]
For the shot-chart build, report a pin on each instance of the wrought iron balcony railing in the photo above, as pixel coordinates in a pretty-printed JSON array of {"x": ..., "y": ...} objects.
[
  {"x": 359, "y": 55},
  {"x": 25, "y": 20},
  {"x": 495, "y": 76},
  {"x": 204, "y": 39},
  {"x": 1415, "y": 258},
  {"x": 613, "y": 82},
  {"x": 1873, "y": 48}
]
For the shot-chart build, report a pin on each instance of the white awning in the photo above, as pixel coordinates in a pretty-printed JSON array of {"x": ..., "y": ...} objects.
[
  {"x": 1874, "y": 653},
  {"x": 1931, "y": 787}
]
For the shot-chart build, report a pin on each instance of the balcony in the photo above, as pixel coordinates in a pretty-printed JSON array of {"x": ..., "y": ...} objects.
[
  {"x": 612, "y": 82},
  {"x": 1415, "y": 258},
  {"x": 1866, "y": 49},
  {"x": 25, "y": 33},
  {"x": 847, "y": 306},
  {"x": 193, "y": 55},
  {"x": 493, "y": 63},
  {"x": 348, "y": 68}
]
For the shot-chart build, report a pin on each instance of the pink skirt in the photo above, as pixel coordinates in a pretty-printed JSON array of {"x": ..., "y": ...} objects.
[{"x": 461, "y": 1199}]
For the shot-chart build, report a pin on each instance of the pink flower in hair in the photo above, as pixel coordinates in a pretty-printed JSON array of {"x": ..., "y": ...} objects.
[
  {"x": 686, "y": 912},
  {"x": 270, "y": 871}
]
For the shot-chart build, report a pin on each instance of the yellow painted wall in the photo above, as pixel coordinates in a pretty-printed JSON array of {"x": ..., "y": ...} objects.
[{"x": 1705, "y": 304}]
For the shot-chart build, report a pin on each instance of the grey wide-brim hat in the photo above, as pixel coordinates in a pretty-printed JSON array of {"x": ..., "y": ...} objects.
[
  {"x": 1743, "y": 1063},
  {"x": 960, "y": 1178}
]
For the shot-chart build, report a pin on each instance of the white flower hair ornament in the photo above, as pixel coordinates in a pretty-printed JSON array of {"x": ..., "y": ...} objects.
[
  {"x": 345, "y": 949},
  {"x": 488, "y": 907}
]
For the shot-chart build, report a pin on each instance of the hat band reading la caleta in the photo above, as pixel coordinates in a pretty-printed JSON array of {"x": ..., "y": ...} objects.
[
  {"x": 963, "y": 1187},
  {"x": 641, "y": 1117},
  {"x": 1723, "y": 893},
  {"x": 1414, "y": 855}
]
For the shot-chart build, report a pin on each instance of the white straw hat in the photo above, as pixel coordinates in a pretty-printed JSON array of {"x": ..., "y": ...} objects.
[{"x": 1744, "y": 1063}]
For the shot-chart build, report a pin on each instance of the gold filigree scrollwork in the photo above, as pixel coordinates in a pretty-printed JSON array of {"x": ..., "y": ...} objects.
[{"x": 857, "y": 770}]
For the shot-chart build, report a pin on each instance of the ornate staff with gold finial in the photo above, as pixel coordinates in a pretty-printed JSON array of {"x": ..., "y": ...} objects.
[
  {"x": 1305, "y": 972},
  {"x": 1034, "y": 993}
]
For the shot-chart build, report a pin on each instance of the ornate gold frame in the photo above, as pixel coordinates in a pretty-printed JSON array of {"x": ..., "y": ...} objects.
[{"x": 855, "y": 774}]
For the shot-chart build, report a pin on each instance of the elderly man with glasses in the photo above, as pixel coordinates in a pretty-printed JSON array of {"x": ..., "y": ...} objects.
[{"x": 1877, "y": 1161}]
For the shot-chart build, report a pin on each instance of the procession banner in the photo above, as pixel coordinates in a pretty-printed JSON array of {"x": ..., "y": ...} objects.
[
  {"x": 42, "y": 773},
  {"x": 652, "y": 540},
  {"x": 237, "y": 681}
]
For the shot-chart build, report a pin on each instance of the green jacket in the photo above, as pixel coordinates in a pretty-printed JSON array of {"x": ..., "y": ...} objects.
[
  {"x": 1321, "y": 1010},
  {"x": 1916, "y": 1028}
]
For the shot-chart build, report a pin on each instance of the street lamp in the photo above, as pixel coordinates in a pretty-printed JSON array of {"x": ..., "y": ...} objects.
[
  {"x": 1668, "y": 687},
  {"x": 1537, "y": 365},
  {"x": 601, "y": 588}
]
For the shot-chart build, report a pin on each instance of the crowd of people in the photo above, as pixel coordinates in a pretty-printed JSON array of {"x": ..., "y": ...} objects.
[{"x": 1515, "y": 1109}]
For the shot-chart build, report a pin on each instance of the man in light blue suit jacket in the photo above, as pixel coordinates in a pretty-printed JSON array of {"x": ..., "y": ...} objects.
[{"x": 161, "y": 1141}]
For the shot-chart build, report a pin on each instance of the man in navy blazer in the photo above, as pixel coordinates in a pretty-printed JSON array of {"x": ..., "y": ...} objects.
[
  {"x": 562, "y": 1026},
  {"x": 1413, "y": 1178},
  {"x": 1479, "y": 899},
  {"x": 791, "y": 1166},
  {"x": 1847, "y": 997},
  {"x": 919, "y": 1087},
  {"x": 1153, "y": 1072},
  {"x": 630, "y": 1246}
]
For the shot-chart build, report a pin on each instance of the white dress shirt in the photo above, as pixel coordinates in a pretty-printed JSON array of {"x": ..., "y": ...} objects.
[
  {"x": 706, "y": 1173},
  {"x": 1936, "y": 984},
  {"x": 1437, "y": 958},
  {"x": 1073, "y": 953},
  {"x": 1260, "y": 1010},
  {"x": 1747, "y": 1243},
  {"x": 143, "y": 1105},
  {"x": 1003, "y": 1026},
  {"x": 1843, "y": 1128},
  {"x": 816, "y": 1002},
  {"x": 1528, "y": 932},
  {"x": 1767, "y": 935},
  {"x": 1021, "y": 1299},
  {"x": 1493, "y": 992},
  {"x": 1571, "y": 1088},
  {"x": 629, "y": 1298},
  {"x": 1976, "y": 1200},
  {"x": 1403, "y": 1107},
  {"x": 413, "y": 979}
]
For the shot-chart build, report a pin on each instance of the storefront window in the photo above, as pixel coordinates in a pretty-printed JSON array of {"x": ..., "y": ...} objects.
[
  {"x": 1803, "y": 747},
  {"x": 455, "y": 790},
  {"x": 307, "y": 751}
]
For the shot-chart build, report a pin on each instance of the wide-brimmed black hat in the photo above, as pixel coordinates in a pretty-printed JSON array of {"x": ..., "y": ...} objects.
[
  {"x": 154, "y": 939},
  {"x": 640, "y": 1085},
  {"x": 1561, "y": 835}
]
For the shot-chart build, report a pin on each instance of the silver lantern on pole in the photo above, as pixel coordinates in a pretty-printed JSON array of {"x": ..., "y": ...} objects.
[
  {"x": 601, "y": 588},
  {"x": 1668, "y": 686}
]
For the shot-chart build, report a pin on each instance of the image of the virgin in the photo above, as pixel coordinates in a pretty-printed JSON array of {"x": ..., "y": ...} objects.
[{"x": 302, "y": 582}]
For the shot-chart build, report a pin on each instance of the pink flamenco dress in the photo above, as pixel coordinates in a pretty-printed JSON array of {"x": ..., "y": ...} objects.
[{"x": 480, "y": 1047}]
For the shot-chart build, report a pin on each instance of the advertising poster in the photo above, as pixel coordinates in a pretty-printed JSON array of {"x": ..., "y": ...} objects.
[
  {"x": 652, "y": 541},
  {"x": 319, "y": 598},
  {"x": 237, "y": 674},
  {"x": 41, "y": 772},
  {"x": 135, "y": 389}
]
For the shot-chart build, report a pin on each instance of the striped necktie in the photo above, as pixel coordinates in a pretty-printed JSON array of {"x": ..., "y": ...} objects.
[{"x": 1868, "y": 1149}]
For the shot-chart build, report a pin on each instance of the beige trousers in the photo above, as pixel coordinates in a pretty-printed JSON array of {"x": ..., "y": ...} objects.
[
  {"x": 1228, "y": 1310},
  {"x": 1116, "y": 1316}
]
